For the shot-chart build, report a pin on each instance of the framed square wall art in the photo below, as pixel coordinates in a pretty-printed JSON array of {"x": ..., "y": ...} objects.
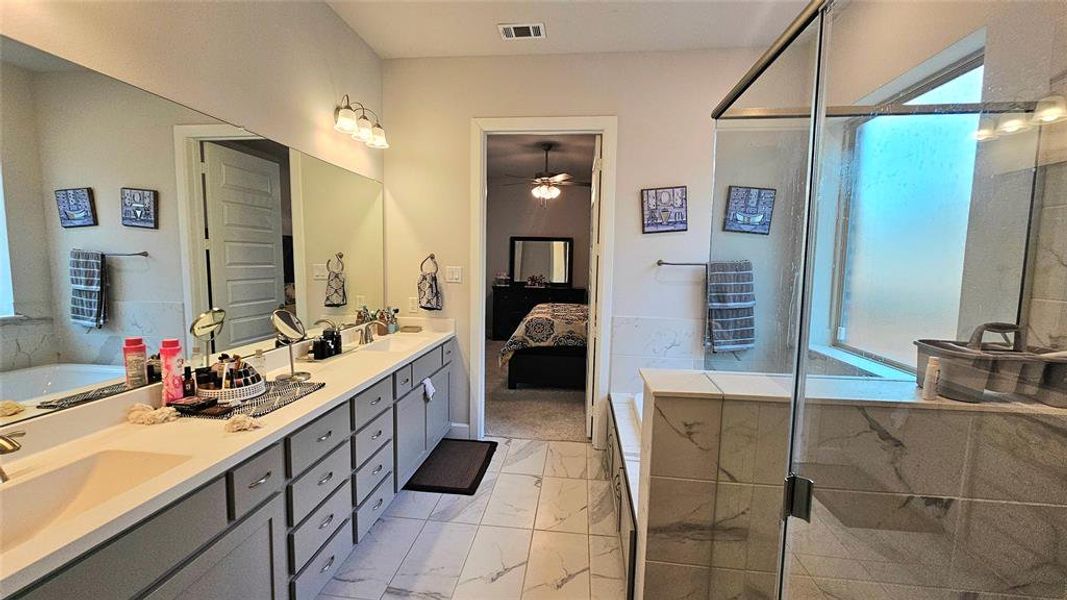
[
  {"x": 664, "y": 209},
  {"x": 140, "y": 208},
  {"x": 749, "y": 210},
  {"x": 76, "y": 207}
]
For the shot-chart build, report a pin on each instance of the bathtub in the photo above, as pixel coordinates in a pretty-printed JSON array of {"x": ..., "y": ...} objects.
[{"x": 37, "y": 384}]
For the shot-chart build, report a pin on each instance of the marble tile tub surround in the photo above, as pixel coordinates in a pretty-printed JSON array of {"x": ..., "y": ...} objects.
[
  {"x": 59, "y": 438},
  {"x": 910, "y": 503},
  {"x": 532, "y": 530}
]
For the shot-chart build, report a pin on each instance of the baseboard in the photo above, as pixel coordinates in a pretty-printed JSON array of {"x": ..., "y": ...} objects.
[{"x": 459, "y": 431}]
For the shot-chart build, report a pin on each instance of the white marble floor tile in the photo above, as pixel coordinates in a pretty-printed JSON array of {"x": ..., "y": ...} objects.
[
  {"x": 564, "y": 505},
  {"x": 602, "y": 517},
  {"x": 496, "y": 565},
  {"x": 558, "y": 567},
  {"x": 434, "y": 563},
  {"x": 368, "y": 569},
  {"x": 458, "y": 508},
  {"x": 566, "y": 459},
  {"x": 526, "y": 456},
  {"x": 501, "y": 453},
  {"x": 514, "y": 501},
  {"x": 607, "y": 573},
  {"x": 596, "y": 463},
  {"x": 413, "y": 505}
]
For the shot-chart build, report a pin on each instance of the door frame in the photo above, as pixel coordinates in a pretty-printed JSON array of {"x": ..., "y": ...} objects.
[
  {"x": 191, "y": 216},
  {"x": 481, "y": 128}
]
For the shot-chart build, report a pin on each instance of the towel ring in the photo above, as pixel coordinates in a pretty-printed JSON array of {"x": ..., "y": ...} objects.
[
  {"x": 341, "y": 263},
  {"x": 433, "y": 261}
]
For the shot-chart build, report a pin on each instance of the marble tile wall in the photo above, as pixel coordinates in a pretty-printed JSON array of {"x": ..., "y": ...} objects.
[
  {"x": 27, "y": 343},
  {"x": 1048, "y": 305},
  {"x": 909, "y": 503},
  {"x": 652, "y": 342}
]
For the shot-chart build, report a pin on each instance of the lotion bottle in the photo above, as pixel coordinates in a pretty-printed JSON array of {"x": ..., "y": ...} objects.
[
  {"x": 170, "y": 355},
  {"x": 134, "y": 358}
]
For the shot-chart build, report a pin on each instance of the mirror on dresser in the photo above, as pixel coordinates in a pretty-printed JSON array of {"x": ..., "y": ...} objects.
[{"x": 188, "y": 213}]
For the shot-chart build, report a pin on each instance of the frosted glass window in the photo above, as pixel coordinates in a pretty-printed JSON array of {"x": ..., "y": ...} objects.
[
  {"x": 7, "y": 290},
  {"x": 907, "y": 228}
]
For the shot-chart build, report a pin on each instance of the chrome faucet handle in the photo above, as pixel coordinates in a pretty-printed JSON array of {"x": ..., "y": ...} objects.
[{"x": 8, "y": 443}]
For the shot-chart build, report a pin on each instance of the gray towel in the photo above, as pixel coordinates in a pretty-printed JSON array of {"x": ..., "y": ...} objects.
[
  {"x": 731, "y": 323},
  {"x": 88, "y": 288}
]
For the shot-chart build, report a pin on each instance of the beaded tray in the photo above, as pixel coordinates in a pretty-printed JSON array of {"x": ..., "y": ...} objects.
[{"x": 278, "y": 394}]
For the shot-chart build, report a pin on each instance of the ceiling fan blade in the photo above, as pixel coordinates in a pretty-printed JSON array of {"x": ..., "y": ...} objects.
[
  {"x": 560, "y": 177},
  {"x": 578, "y": 183}
]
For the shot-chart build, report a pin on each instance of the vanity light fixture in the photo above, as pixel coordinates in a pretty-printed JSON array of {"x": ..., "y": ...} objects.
[
  {"x": 1010, "y": 123},
  {"x": 1050, "y": 109},
  {"x": 347, "y": 121},
  {"x": 987, "y": 129}
]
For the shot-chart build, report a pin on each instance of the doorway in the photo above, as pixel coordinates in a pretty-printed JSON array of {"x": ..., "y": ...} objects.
[{"x": 598, "y": 271}]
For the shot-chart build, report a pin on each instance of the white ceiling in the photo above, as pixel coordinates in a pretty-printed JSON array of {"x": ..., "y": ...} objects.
[
  {"x": 521, "y": 155},
  {"x": 461, "y": 28}
]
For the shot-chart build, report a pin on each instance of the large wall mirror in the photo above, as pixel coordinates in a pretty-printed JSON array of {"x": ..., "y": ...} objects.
[{"x": 188, "y": 212}]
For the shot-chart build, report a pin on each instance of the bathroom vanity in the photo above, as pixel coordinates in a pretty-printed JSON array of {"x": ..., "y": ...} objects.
[{"x": 269, "y": 513}]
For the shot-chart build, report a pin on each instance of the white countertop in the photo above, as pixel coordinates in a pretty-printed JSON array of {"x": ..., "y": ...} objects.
[
  {"x": 211, "y": 453},
  {"x": 819, "y": 389}
]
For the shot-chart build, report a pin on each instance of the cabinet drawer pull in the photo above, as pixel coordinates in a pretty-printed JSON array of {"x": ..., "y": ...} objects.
[
  {"x": 378, "y": 504},
  {"x": 259, "y": 481},
  {"x": 377, "y": 435},
  {"x": 326, "y": 478},
  {"x": 376, "y": 401},
  {"x": 326, "y": 522},
  {"x": 325, "y": 436},
  {"x": 405, "y": 380},
  {"x": 328, "y": 564},
  {"x": 377, "y": 469}
]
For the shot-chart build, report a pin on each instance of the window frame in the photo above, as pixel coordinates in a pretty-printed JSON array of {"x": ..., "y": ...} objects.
[{"x": 846, "y": 196}]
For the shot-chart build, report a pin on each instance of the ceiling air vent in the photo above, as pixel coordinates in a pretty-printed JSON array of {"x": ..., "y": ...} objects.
[{"x": 521, "y": 31}]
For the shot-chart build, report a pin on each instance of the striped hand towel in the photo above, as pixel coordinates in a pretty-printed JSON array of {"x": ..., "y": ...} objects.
[
  {"x": 731, "y": 323},
  {"x": 88, "y": 288}
]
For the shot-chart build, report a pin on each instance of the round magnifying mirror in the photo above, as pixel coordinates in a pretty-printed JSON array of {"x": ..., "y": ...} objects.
[
  {"x": 206, "y": 327},
  {"x": 290, "y": 330}
]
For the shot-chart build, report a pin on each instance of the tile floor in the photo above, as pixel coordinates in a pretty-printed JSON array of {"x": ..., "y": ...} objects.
[{"x": 541, "y": 525}]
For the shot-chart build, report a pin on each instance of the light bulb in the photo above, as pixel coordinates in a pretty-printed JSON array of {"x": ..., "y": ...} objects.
[
  {"x": 1011, "y": 123},
  {"x": 1050, "y": 109},
  {"x": 377, "y": 139},
  {"x": 344, "y": 120},
  {"x": 539, "y": 191},
  {"x": 364, "y": 130},
  {"x": 553, "y": 192},
  {"x": 987, "y": 129}
]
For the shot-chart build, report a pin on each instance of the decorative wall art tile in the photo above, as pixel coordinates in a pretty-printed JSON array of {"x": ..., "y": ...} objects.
[
  {"x": 140, "y": 208},
  {"x": 76, "y": 207},
  {"x": 664, "y": 209},
  {"x": 749, "y": 209}
]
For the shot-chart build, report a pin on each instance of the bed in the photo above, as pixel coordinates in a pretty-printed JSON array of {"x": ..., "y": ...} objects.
[{"x": 548, "y": 348}]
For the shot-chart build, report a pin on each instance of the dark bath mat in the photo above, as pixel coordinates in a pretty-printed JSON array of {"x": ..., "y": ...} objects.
[{"x": 454, "y": 467}]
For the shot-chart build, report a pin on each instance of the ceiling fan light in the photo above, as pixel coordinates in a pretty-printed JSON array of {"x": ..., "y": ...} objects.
[
  {"x": 553, "y": 192},
  {"x": 344, "y": 120},
  {"x": 1050, "y": 109}
]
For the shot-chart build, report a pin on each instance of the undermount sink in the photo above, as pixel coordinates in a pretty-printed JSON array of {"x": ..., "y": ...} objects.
[
  {"x": 65, "y": 493},
  {"x": 394, "y": 343}
]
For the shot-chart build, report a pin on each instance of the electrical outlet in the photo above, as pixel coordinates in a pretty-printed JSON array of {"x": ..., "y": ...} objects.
[
  {"x": 360, "y": 299},
  {"x": 319, "y": 272},
  {"x": 453, "y": 274},
  {"x": 413, "y": 304}
]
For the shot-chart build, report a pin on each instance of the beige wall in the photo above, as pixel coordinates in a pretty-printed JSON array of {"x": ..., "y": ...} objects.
[
  {"x": 275, "y": 68},
  {"x": 662, "y": 101},
  {"x": 341, "y": 212}
]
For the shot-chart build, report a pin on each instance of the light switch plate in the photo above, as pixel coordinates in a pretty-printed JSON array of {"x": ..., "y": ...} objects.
[
  {"x": 319, "y": 272},
  {"x": 453, "y": 274},
  {"x": 360, "y": 299},
  {"x": 413, "y": 304}
]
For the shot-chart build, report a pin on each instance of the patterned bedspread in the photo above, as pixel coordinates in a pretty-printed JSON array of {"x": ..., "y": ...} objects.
[{"x": 549, "y": 325}]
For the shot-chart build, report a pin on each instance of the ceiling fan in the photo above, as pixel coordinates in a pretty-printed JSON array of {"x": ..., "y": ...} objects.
[{"x": 545, "y": 183}]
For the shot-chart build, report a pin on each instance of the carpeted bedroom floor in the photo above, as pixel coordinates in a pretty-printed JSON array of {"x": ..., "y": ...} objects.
[{"x": 537, "y": 414}]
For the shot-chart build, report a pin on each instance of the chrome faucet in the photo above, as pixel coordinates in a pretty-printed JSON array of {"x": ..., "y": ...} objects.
[
  {"x": 328, "y": 322},
  {"x": 7, "y": 446},
  {"x": 366, "y": 331}
]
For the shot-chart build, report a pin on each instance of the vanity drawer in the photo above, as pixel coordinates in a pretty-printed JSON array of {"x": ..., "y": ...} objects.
[
  {"x": 448, "y": 350},
  {"x": 371, "y": 402},
  {"x": 402, "y": 381},
  {"x": 373, "y": 472},
  {"x": 306, "y": 491},
  {"x": 425, "y": 365},
  {"x": 371, "y": 437},
  {"x": 373, "y": 508},
  {"x": 311, "y": 443},
  {"x": 310, "y": 535},
  {"x": 310, "y": 581},
  {"x": 256, "y": 480}
]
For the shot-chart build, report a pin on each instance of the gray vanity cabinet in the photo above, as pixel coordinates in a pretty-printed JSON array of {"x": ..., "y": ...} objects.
[
  {"x": 409, "y": 436},
  {"x": 249, "y": 561},
  {"x": 422, "y": 422},
  {"x": 437, "y": 423}
]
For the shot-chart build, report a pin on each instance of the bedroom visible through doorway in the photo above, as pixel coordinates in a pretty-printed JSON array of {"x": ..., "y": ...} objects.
[{"x": 539, "y": 226}]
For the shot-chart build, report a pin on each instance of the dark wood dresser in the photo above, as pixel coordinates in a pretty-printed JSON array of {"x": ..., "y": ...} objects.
[{"x": 511, "y": 303}]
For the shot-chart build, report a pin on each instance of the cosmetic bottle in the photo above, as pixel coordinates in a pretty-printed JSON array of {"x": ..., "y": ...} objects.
[
  {"x": 170, "y": 355},
  {"x": 134, "y": 358},
  {"x": 188, "y": 383}
]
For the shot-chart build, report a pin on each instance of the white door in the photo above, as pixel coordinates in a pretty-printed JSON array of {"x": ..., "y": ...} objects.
[
  {"x": 243, "y": 212},
  {"x": 593, "y": 346}
]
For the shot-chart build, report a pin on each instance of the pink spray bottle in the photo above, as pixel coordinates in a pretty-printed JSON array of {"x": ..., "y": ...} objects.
[{"x": 172, "y": 363}]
